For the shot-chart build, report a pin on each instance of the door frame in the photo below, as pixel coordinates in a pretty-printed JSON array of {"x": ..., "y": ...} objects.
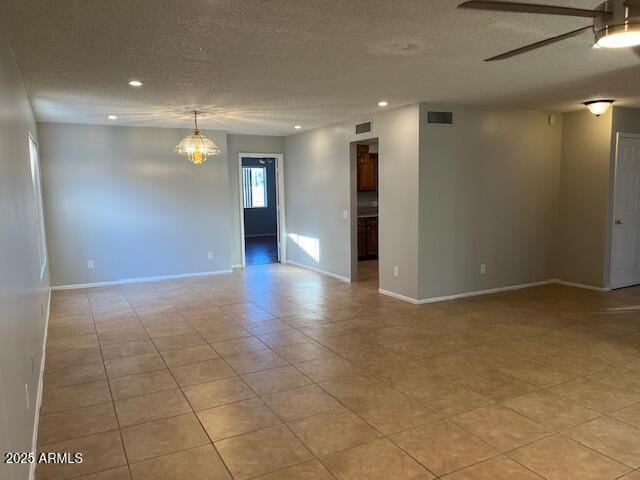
[
  {"x": 612, "y": 225},
  {"x": 280, "y": 209},
  {"x": 353, "y": 202}
]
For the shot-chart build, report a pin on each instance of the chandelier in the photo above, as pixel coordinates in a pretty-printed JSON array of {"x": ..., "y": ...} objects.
[{"x": 197, "y": 147}]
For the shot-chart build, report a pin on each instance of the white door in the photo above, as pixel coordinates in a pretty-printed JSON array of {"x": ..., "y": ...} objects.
[{"x": 625, "y": 255}]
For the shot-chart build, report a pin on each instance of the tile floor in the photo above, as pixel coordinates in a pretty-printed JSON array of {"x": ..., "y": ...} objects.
[{"x": 274, "y": 372}]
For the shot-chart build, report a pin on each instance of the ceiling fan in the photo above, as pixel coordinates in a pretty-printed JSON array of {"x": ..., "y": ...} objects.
[{"x": 616, "y": 23}]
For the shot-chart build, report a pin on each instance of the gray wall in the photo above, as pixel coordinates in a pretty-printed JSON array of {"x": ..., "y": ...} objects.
[
  {"x": 318, "y": 190},
  {"x": 500, "y": 187},
  {"x": 121, "y": 197},
  {"x": 23, "y": 295},
  {"x": 488, "y": 194},
  {"x": 316, "y": 193},
  {"x": 244, "y": 144},
  {"x": 264, "y": 220},
  {"x": 398, "y": 168},
  {"x": 584, "y": 197},
  {"x": 625, "y": 120}
]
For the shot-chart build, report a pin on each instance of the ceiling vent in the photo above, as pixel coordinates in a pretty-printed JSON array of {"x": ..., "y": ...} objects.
[
  {"x": 440, "y": 118},
  {"x": 363, "y": 128}
]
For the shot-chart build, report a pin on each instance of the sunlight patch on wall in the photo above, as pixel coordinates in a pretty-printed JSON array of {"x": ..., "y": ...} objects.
[{"x": 310, "y": 246}]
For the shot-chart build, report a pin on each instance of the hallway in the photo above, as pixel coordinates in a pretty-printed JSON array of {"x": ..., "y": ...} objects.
[{"x": 261, "y": 250}]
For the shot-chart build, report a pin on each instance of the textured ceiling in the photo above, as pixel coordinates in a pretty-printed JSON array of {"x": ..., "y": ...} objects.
[{"x": 261, "y": 66}]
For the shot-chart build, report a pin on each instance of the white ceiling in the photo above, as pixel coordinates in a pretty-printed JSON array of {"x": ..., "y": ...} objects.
[{"x": 261, "y": 66}]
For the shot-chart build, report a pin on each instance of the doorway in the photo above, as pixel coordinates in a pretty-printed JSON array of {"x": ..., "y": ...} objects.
[
  {"x": 261, "y": 208},
  {"x": 365, "y": 182},
  {"x": 625, "y": 236}
]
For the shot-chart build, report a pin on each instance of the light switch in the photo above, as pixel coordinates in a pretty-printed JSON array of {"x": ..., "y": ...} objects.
[{"x": 345, "y": 214}]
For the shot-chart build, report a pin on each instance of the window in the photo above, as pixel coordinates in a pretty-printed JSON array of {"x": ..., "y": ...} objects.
[
  {"x": 39, "y": 211},
  {"x": 254, "y": 184}
]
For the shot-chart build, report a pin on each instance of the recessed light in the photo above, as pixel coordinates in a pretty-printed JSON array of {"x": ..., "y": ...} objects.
[
  {"x": 112, "y": 117},
  {"x": 383, "y": 103},
  {"x": 297, "y": 127},
  {"x": 135, "y": 83}
]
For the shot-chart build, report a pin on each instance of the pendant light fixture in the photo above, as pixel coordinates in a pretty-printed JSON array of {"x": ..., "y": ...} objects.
[{"x": 197, "y": 147}]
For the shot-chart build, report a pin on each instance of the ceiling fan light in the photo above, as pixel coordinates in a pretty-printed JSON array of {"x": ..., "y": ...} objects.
[
  {"x": 619, "y": 36},
  {"x": 598, "y": 107}
]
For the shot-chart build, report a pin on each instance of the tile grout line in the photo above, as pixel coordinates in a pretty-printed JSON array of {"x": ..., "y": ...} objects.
[
  {"x": 193, "y": 411},
  {"x": 113, "y": 405}
]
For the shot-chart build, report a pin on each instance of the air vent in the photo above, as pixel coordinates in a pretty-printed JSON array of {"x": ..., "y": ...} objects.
[
  {"x": 442, "y": 118},
  {"x": 363, "y": 128}
]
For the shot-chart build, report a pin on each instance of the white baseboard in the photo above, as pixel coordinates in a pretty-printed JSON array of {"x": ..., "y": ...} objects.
[
  {"x": 323, "y": 272},
  {"x": 238, "y": 265},
  {"x": 485, "y": 292},
  {"x": 139, "y": 280},
  {"x": 398, "y": 296},
  {"x": 463, "y": 295},
  {"x": 581, "y": 285},
  {"x": 38, "y": 403},
  {"x": 490, "y": 291}
]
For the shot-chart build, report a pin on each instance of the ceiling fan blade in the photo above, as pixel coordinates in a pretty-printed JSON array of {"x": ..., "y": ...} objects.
[
  {"x": 539, "y": 44},
  {"x": 532, "y": 8}
]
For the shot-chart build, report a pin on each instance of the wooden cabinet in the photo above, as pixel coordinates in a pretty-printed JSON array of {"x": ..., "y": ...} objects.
[
  {"x": 372, "y": 237},
  {"x": 362, "y": 238},
  {"x": 367, "y": 164},
  {"x": 367, "y": 238}
]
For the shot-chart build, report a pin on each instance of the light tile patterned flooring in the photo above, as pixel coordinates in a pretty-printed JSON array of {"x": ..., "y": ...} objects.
[{"x": 279, "y": 373}]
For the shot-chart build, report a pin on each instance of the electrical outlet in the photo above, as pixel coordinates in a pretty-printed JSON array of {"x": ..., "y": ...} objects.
[
  {"x": 27, "y": 396},
  {"x": 209, "y": 255},
  {"x": 90, "y": 265},
  {"x": 345, "y": 214},
  {"x": 395, "y": 271},
  {"x": 483, "y": 268}
]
